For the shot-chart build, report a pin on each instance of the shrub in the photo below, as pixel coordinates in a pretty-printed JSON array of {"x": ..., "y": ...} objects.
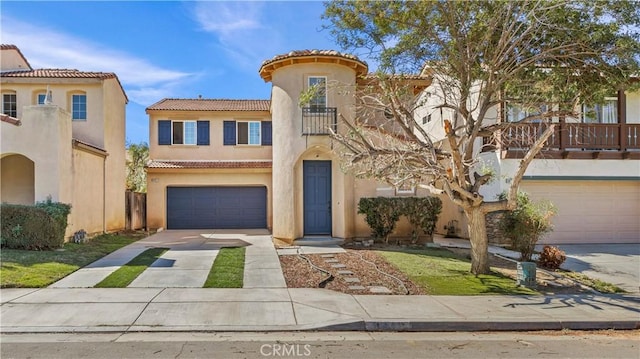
[
  {"x": 527, "y": 224},
  {"x": 38, "y": 227},
  {"x": 381, "y": 214},
  {"x": 422, "y": 213},
  {"x": 551, "y": 257}
]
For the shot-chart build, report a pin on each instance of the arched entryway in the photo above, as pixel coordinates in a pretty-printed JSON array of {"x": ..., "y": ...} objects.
[{"x": 18, "y": 179}]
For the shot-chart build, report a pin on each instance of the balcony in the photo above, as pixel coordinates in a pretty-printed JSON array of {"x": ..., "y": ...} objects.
[
  {"x": 317, "y": 121},
  {"x": 570, "y": 140}
]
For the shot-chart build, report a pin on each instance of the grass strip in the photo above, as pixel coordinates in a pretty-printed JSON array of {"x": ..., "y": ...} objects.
[
  {"x": 227, "y": 270},
  {"x": 442, "y": 272},
  {"x": 37, "y": 269},
  {"x": 597, "y": 284},
  {"x": 130, "y": 271}
]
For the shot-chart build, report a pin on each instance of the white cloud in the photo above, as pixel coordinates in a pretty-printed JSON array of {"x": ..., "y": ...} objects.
[
  {"x": 144, "y": 82},
  {"x": 240, "y": 29}
]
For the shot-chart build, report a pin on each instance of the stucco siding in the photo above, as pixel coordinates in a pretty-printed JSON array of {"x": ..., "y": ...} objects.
[
  {"x": 158, "y": 181},
  {"x": 18, "y": 180},
  {"x": 216, "y": 150},
  {"x": 87, "y": 207}
]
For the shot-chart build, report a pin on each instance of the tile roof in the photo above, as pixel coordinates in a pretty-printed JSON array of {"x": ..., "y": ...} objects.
[
  {"x": 210, "y": 105},
  {"x": 8, "y": 119},
  {"x": 14, "y": 47},
  {"x": 209, "y": 164},
  {"x": 59, "y": 73},
  {"x": 311, "y": 56}
]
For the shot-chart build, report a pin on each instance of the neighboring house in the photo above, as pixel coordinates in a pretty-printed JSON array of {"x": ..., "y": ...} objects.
[
  {"x": 63, "y": 137},
  {"x": 589, "y": 169}
]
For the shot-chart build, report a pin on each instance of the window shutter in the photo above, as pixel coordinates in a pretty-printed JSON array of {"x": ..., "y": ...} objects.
[
  {"x": 266, "y": 133},
  {"x": 203, "y": 133},
  {"x": 164, "y": 132},
  {"x": 229, "y": 136}
]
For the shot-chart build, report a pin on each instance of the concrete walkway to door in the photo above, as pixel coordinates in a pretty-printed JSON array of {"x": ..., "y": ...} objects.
[{"x": 187, "y": 262}]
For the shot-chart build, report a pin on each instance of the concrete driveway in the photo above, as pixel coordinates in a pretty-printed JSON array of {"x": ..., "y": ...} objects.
[{"x": 618, "y": 264}]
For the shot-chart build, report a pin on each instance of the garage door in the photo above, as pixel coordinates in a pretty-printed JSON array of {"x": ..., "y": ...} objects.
[
  {"x": 216, "y": 207},
  {"x": 591, "y": 211}
]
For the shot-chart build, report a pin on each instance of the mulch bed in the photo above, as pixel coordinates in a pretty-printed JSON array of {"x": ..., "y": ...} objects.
[{"x": 298, "y": 273}]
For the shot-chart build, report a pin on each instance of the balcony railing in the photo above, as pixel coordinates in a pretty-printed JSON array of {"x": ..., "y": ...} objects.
[
  {"x": 319, "y": 120},
  {"x": 573, "y": 140}
]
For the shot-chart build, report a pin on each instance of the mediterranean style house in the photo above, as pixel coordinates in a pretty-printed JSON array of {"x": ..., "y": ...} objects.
[
  {"x": 63, "y": 138},
  {"x": 218, "y": 163}
]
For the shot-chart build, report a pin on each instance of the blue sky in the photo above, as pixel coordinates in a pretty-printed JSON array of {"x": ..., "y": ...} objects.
[{"x": 164, "y": 49}]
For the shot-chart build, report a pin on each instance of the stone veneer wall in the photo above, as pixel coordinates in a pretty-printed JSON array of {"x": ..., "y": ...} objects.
[{"x": 494, "y": 233}]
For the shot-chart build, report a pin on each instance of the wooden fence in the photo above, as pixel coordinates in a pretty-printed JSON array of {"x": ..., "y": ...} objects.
[{"x": 136, "y": 210}]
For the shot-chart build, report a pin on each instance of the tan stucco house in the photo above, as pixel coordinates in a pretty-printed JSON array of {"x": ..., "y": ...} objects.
[
  {"x": 63, "y": 137},
  {"x": 270, "y": 163}
]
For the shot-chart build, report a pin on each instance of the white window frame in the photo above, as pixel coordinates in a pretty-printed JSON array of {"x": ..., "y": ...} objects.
[
  {"x": 259, "y": 123},
  {"x": 86, "y": 110},
  {"x": 184, "y": 132},
  {"x": 15, "y": 96},
  {"x": 309, "y": 85},
  {"x": 509, "y": 108},
  {"x": 599, "y": 109}
]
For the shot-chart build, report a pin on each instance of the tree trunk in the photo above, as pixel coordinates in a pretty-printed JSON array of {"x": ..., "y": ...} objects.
[{"x": 478, "y": 239}]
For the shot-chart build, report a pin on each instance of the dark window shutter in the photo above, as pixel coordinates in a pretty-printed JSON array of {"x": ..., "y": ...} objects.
[
  {"x": 266, "y": 133},
  {"x": 229, "y": 136},
  {"x": 164, "y": 132},
  {"x": 203, "y": 133}
]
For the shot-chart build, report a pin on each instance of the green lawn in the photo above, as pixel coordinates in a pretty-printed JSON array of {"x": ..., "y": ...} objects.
[
  {"x": 122, "y": 277},
  {"x": 441, "y": 272},
  {"x": 36, "y": 269},
  {"x": 227, "y": 270}
]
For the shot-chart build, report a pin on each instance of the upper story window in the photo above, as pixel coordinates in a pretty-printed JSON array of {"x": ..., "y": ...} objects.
[
  {"x": 515, "y": 113},
  {"x": 183, "y": 132},
  {"x": 253, "y": 133},
  {"x": 10, "y": 104},
  {"x": 606, "y": 112},
  {"x": 248, "y": 133},
  {"x": 41, "y": 98},
  {"x": 79, "y": 107},
  {"x": 319, "y": 99}
]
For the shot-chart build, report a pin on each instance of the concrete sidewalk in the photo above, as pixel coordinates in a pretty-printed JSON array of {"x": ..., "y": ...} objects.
[{"x": 281, "y": 309}]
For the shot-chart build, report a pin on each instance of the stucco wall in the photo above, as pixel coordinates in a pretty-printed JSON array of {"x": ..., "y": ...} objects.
[
  {"x": 289, "y": 144},
  {"x": 17, "y": 181},
  {"x": 215, "y": 150},
  {"x": 158, "y": 181},
  {"x": 87, "y": 207},
  {"x": 114, "y": 143}
]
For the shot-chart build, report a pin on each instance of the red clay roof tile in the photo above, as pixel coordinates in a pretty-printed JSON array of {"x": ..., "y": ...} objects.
[
  {"x": 59, "y": 73},
  {"x": 209, "y": 164},
  {"x": 177, "y": 104}
]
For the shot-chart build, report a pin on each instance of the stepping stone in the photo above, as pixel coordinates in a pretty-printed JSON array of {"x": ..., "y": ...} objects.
[
  {"x": 356, "y": 287},
  {"x": 380, "y": 290},
  {"x": 339, "y": 265},
  {"x": 327, "y": 256},
  {"x": 345, "y": 272},
  {"x": 331, "y": 261},
  {"x": 352, "y": 280}
]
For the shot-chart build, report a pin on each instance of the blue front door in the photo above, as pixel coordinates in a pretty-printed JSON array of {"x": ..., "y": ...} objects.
[{"x": 317, "y": 197}]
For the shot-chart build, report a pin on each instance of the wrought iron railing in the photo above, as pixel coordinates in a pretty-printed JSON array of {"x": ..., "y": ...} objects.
[{"x": 319, "y": 120}]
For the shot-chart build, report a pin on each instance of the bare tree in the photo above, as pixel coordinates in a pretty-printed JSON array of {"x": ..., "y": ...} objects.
[{"x": 548, "y": 56}]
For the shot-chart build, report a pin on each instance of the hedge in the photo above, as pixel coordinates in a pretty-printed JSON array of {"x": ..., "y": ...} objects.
[
  {"x": 39, "y": 227},
  {"x": 382, "y": 214}
]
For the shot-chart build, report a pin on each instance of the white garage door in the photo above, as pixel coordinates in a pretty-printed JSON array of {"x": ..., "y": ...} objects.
[{"x": 591, "y": 211}]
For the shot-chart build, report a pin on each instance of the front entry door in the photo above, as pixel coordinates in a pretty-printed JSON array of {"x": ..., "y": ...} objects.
[{"x": 317, "y": 197}]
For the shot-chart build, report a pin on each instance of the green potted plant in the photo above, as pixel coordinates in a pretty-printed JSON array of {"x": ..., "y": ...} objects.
[{"x": 525, "y": 226}]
